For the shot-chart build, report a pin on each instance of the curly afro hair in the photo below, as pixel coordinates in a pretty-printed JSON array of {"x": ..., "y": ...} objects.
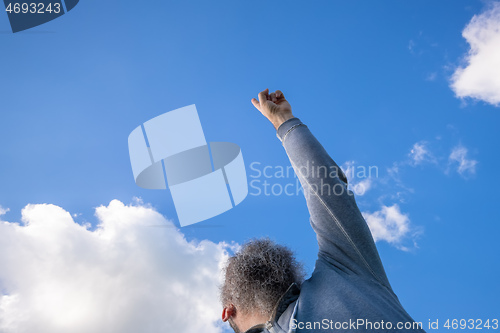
[{"x": 258, "y": 275}]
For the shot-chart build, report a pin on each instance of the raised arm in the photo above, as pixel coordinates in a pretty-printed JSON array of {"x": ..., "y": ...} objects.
[{"x": 344, "y": 239}]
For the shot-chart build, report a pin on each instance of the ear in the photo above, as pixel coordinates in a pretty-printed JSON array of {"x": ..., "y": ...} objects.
[{"x": 228, "y": 312}]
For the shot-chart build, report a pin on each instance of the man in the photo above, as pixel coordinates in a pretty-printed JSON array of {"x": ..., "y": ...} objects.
[{"x": 348, "y": 291}]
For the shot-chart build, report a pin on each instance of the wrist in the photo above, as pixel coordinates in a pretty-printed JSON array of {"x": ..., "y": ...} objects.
[{"x": 280, "y": 119}]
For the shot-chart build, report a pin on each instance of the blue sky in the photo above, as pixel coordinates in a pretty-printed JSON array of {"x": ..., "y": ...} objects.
[{"x": 371, "y": 79}]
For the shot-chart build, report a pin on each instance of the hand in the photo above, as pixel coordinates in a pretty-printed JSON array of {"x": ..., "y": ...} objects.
[{"x": 274, "y": 107}]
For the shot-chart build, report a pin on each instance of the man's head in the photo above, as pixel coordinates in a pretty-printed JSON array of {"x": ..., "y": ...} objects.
[{"x": 255, "y": 279}]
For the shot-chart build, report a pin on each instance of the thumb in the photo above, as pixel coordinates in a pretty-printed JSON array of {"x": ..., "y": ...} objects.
[{"x": 256, "y": 103}]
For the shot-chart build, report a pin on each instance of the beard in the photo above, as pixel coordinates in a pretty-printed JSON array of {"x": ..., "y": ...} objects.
[{"x": 233, "y": 325}]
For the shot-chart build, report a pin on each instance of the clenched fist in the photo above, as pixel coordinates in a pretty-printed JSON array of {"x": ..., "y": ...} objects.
[{"x": 274, "y": 107}]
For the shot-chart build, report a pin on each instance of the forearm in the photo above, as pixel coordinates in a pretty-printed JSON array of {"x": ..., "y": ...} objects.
[{"x": 317, "y": 171}]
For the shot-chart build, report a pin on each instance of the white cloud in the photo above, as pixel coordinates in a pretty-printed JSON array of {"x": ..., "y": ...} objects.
[
  {"x": 128, "y": 275},
  {"x": 420, "y": 154},
  {"x": 466, "y": 167},
  {"x": 480, "y": 77},
  {"x": 3, "y": 211},
  {"x": 360, "y": 178},
  {"x": 411, "y": 46},
  {"x": 389, "y": 224},
  {"x": 360, "y": 188},
  {"x": 431, "y": 76}
]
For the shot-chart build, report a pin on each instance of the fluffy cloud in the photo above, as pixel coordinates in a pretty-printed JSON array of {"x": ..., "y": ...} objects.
[
  {"x": 389, "y": 224},
  {"x": 419, "y": 154},
  {"x": 127, "y": 275},
  {"x": 480, "y": 77},
  {"x": 360, "y": 188},
  {"x": 359, "y": 177},
  {"x": 3, "y": 210},
  {"x": 458, "y": 157}
]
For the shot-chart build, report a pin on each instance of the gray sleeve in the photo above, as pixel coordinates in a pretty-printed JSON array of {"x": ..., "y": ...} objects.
[{"x": 344, "y": 239}]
